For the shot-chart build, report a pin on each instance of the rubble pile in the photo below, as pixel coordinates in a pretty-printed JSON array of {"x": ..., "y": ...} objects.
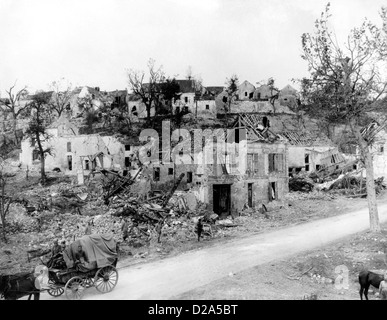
[
  {"x": 176, "y": 219},
  {"x": 301, "y": 183},
  {"x": 69, "y": 227},
  {"x": 170, "y": 216},
  {"x": 350, "y": 183}
]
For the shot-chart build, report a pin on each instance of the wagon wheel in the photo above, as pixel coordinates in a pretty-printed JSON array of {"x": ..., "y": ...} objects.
[
  {"x": 106, "y": 279},
  {"x": 54, "y": 290},
  {"x": 74, "y": 288}
]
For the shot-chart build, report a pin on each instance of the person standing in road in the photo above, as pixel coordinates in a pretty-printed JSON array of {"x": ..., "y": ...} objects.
[
  {"x": 383, "y": 288},
  {"x": 124, "y": 229}
]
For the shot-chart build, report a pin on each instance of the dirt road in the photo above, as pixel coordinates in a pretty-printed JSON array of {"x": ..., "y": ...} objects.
[{"x": 170, "y": 277}]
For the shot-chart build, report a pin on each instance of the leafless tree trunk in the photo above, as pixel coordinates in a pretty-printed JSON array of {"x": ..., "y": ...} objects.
[
  {"x": 12, "y": 104},
  {"x": 37, "y": 130},
  {"x": 61, "y": 96},
  {"x": 149, "y": 92},
  {"x": 370, "y": 180},
  {"x": 5, "y": 202}
]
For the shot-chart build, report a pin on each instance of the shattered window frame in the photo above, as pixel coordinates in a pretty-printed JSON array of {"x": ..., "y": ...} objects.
[
  {"x": 276, "y": 162},
  {"x": 255, "y": 163},
  {"x": 249, "y": 163}
]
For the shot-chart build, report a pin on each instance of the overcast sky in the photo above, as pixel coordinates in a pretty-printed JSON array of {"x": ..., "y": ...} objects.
[{"x": 93, "y": 42}]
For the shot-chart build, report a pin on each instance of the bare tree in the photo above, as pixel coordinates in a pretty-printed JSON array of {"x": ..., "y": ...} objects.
[
  {"x": 5, "y": 200},
  {"x": 198, "y": 87},
  {"x": 37, "y": 130},
  {"x": 274, "y": 92},
  {"x": 346, "y": 83},
  {"x": 61, "y": 96},
  {"x": 147, "y": 86},
  {"x": 232, "y": 94},
  {"x": 13, "y": 105}
]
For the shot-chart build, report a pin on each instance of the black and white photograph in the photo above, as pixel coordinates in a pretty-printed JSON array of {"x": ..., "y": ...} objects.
[{"x": 193, "y": 154}]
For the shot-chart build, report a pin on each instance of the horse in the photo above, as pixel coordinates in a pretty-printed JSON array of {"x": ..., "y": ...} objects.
[
  {"x": 367, "y": 278},
  {"x": 13, "y": 287}
]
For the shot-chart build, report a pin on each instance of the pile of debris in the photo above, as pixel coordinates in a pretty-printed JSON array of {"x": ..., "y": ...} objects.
[
  {"x": 348, "y": 182},
  {"x": 170, "y": 215},
  {"x": 351, "y": 184},
  {"x": 301, "y": 182},
  {"x": 164, "y": 214}
]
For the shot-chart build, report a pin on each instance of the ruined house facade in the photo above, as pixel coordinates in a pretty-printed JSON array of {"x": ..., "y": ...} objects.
[
  {"x": 210, "y": 102},
  {"x": 194, "y": 99},
  {"x": 262, "y": 180},
  {"x": 245, "y": 91},
  {"x": 250, "y": 99},
  {"x": 311, "y": 152},
  {"x": 246, "y": 171},
  {"x": 74, "y": 153}
]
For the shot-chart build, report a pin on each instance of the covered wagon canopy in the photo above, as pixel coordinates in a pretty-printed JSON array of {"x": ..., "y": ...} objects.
[{"x": 101, "y": 251}]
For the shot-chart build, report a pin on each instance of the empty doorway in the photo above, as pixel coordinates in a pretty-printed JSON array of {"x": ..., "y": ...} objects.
[
  {"x": 222, "y": 199},
  {"x": 250, "y": 195}
]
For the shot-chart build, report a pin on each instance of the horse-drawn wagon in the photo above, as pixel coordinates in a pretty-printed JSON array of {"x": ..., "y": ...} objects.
[
  {"x": 71, "y": 275},
  {"x": 98, "y": 271}
]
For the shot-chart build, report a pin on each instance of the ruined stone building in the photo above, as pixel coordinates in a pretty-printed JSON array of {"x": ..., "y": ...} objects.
[
  {"x": 136, "y": 108},
  {"x": 88, "y": 98},
  {"x": 196, "y": 100},
  {"x": 73, "y": 152},
  {"x": 199, "y": 101},
  {"x": 250, "y": 99},
  {"x": 310, "y": 152},
  {"x": 245, "y": 165},
  {"x": 245, "y": 91},
  {"x": 227, "y": 170}
]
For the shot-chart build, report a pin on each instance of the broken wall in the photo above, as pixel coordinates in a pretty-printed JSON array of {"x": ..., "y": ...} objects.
[
  {"x": 162, "y": 173},
  {"x": 262, "y": 179},
  {"x": 318, "y": 157},
  {"x": 262, "y": 92},
  {"x": 67, "y": 153},
  {"x": 254, "y": 107},
  {"x": 137, "y": 110},
  {"x": 245, "y": 91},
  {"x": 296, "y": 156},
  {"x": 206, "y": 108}
]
